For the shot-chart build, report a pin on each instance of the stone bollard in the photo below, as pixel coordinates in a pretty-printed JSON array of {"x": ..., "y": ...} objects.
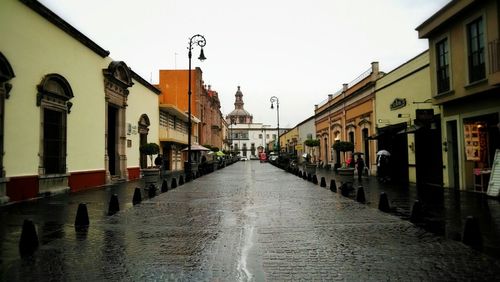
[
  {"x": 174, "y": 183},
  {"x": 472, "y": 233},
  {"x": 114, "y": 206},
  {"x": 82, "y": 217},
  {"x": 315, "y": 179},
  {"x": 164, "y": 186},
  {"x": 333, "y": 186},
  {"x": 304, "y": 176},
  {"x": 309, "y": 177},
  {"x": 360, "y": 195},
  {"x": 181, "y": 180},
  {"x": 151, "y": 191},
  {"x": 323, "y": 182},
  {"x": 383, "y": 203},
  {"x": 300, "y": 174},
  {"x": 137, "y": 199},
  {"x": 29, "y": 239},
  {"x": 417, "y": 212}
]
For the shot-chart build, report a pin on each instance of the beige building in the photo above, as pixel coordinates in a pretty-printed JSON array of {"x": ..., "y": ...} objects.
[
  {"x": 65, "y": 107},
  {"x": 464, "y": 50},
  {"x": 408, "y": 125}
]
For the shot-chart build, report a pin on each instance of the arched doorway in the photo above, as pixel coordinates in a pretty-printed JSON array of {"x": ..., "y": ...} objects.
[{"x": 117, "y": 80}]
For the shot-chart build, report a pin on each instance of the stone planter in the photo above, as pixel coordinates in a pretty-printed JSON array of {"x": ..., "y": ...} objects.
[
  {"x": 346, "y": 171},
  {"x": 150, "y": 175},
  {"x": 310, "y": 168}
]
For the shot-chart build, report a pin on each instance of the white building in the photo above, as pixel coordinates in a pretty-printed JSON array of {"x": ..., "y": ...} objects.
[{"x": 247, "y": 138}]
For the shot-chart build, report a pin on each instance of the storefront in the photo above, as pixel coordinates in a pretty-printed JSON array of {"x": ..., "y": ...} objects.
[{"x": 472, "y": 139}]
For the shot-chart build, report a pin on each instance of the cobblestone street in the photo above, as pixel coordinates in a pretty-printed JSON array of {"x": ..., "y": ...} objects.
[{"x": 247, "y": 222}]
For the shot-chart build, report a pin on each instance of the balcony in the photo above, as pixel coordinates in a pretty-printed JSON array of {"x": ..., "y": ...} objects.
[
  {"x": 168, "y": 134},
  {"x": 494, "y": 61}
]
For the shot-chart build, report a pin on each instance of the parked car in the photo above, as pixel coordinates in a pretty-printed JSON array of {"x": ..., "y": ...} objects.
[{"x": 243, "y": 158}]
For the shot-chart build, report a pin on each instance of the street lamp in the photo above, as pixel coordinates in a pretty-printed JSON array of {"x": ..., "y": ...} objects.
[
  {"x": 275, "y": 99},
  {"x": 200, "y": 41},
  {"x": 231, "y": 133}
]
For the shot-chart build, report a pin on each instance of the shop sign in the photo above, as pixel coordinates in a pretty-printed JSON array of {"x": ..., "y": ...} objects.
[
  {"x": 299, "y": 147},
  {"x": 398, "y": 103},
  {"x": 424, "y": 115}
]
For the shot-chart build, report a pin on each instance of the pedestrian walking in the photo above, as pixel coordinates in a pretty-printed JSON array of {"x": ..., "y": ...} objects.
[
  {"x": 383, "y": 165},
  {"x": 360, "y": 166}
]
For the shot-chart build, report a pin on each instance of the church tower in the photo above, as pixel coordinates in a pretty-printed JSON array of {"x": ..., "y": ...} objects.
[{"x": 239, "y": 115}]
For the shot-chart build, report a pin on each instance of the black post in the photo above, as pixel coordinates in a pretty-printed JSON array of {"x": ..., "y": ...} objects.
[{"x": 275, "y": 99}]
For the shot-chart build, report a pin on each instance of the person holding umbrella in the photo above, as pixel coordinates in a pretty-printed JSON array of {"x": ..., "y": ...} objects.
[{"x": 382, "y": 165}]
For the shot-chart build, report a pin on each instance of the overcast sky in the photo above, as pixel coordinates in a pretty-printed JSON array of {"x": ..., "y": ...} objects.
[{"x": 299, "y": 51}]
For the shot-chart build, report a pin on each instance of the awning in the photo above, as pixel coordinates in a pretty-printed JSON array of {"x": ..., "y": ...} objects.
[
  {"x": 410, "y": 129},
  {"x": 196, "y": 147}
]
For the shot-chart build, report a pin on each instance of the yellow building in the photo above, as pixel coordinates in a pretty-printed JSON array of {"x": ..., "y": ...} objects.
[
  {"x": 403, "y": 99},
  {"x": 464, "y": 51},
  {"x": 64, "y": 107},
  {"x": 289, "y": 141}
]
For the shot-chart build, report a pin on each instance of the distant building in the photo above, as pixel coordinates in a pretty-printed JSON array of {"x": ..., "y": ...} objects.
[{"x": 245, "y": 137}]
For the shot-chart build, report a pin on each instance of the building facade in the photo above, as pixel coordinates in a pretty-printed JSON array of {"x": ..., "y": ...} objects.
[
  {"x": 464, "y": 51},
  {"x": 173, "y": 103},
  {"x": 245, "y": 137},
  {"x": 65, "y": 107},
  {"x": 408, "y": 124},
  {"x": 348, "y": 115},
  {"x": 211, "y": 132}
]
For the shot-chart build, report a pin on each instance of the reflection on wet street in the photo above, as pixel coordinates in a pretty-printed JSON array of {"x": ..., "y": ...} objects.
[
  {"x": 445, "y": 210},
  {"x": 247, "y": 222}
]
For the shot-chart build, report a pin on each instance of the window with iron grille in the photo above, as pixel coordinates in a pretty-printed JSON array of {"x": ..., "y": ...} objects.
[
  {"x": 475, "y": 41},
  {"x": 442, "y": 66},
  {"x": 54, "y": 141}
]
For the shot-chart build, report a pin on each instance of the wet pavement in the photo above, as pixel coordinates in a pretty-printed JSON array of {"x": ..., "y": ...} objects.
[
  {"x": 247, "y": 222},
  {"x": 444, "y": 210}
]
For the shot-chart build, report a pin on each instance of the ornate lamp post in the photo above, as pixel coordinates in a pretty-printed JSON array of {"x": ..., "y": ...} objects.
[
  {"x": 275, "y": 99},
  {"x": 200, "y": 41},
  {"x": 231, "y": 133}
]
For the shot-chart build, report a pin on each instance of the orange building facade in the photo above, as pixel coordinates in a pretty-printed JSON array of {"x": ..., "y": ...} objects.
[{"x": 348, "y": 115}]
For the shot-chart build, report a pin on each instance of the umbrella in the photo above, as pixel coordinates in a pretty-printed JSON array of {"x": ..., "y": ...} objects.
[
  {"x": 196, "y": 147},
  {"x": 383, "y": 153},
  {"x": 220, "y": 153}
]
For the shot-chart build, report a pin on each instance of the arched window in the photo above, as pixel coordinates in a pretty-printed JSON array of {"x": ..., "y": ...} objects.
[{"x": 54, "y": 93}]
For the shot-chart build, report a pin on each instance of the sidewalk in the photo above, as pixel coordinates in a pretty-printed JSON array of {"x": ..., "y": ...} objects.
[{"x": 445, "y": 210}]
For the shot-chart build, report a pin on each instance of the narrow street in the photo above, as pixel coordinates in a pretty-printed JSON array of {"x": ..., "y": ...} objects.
[{"x": 247, "y": 222}]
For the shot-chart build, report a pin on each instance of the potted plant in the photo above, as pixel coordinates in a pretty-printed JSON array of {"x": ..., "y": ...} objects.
[
  {"x": 150, "y": 174},
  {"x": 312, "y": 144},
  {"x": 344, "y": 146}
]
